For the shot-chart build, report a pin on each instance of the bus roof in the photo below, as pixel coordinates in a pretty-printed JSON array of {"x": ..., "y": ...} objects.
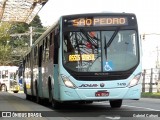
[
  {"x": 101, "y": 14},
  {"x": 10, "y": 68}
]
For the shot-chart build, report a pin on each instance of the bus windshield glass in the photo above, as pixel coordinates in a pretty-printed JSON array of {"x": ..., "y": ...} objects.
[{"x": 100, "y": 51}]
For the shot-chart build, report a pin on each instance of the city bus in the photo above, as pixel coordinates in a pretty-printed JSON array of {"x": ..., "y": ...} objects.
[
  {"x": 8, "y": 80},
  {"x": 85, "y": 58}
]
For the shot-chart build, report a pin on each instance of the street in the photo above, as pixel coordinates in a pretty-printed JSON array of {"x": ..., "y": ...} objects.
[{"x": 145, "y": 108}]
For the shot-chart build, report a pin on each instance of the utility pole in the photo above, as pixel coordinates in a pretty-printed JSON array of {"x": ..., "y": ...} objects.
[
  {"x": 151, "y": 81},
  {"x": 157, "y": 62}
]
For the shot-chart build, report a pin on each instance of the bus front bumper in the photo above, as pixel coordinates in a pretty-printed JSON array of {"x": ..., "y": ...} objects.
[{"x": 69, "y": 94}]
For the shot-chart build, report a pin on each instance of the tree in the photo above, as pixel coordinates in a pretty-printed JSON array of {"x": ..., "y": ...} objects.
[
  {"x": 5, "y": 49},
  {"x": 36, "y": 22},
  {"x": 4, "y": 32},
  {"x": 16, "y": 46}
]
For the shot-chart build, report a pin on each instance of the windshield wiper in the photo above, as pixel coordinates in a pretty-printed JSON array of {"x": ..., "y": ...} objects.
[{"x": 111, "y": 39}]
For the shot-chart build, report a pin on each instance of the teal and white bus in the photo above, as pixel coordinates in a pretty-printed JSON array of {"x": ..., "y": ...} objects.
[{"x": 86, "y": 58}]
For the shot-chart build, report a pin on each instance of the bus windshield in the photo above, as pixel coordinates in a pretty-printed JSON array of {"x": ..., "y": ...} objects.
[{"x": 100, "y": 51}]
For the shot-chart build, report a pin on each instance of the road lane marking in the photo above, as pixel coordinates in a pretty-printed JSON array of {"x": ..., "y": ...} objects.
[
  {"x": 113, "y": 118},
  {"x": 141, "y": 107},
  {"x": 131, "y": 106}
]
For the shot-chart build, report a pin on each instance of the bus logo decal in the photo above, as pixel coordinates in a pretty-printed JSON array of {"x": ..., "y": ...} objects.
[
  {"x": 102, "y": 84},
  {"x": 88, "y": 85},
  {"x": 101, "y": 74}
]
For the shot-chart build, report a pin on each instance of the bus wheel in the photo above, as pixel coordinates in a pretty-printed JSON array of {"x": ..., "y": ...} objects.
[
  {"x": 28, "y": 97},
  {"x": 38, "y": 99},
  {"x": 56, "y": 104},
  {"x": 50, "y": 94},
  {"x": 15, "y": 91},
  {"x": 115, "y": 103},
  {"x": 4, "y": 88},
  {"x": 85, "y": 102},
  {"x": 89, "y": 102}
]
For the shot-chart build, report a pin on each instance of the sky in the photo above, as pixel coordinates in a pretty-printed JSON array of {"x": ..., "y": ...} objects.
[{"x": 147, "y": 11}]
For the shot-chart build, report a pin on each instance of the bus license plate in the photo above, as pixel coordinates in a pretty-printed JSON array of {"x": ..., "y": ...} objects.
[{"x": 101, "y": 94}]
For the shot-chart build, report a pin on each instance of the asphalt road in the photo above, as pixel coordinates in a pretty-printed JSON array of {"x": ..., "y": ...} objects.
[{"x": 18, "y": 107}]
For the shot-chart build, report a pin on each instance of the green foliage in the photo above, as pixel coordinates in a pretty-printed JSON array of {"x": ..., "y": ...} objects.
[
  {"x": 150, "y": 95},
  {"x": 18, "y": 28},
  {"x": 36, "y": 22},
  {"x": 5, "y": 49},
  {"x": 4, "y": 33},
  {"x": 13, "y": 48},
  {"x": 5, "y": 57}
]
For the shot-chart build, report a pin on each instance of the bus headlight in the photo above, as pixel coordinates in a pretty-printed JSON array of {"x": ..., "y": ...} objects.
[
  {"x": 135, "y": 80},
  {"x": 67, "y": 82}
]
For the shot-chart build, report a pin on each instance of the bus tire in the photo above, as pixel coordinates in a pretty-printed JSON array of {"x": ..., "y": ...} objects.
[
  {"x": 28, "y": 97},
  {"x": 25, "y": 89},
  {"x": 115, "y": 103},
  {"x": 85, "y": 102},
  {"x": 89, "y": 102},
  {"x": 50, "y": 91},
  {"x": 55, "y": 104},
  {"x": 38, "y": 99},
  {"x": 15, "y": 91}
]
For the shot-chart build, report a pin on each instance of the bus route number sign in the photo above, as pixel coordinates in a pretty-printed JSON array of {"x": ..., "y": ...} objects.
[{"x": 83, "y": 57}]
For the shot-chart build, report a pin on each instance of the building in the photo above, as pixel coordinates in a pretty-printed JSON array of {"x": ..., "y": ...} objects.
[{"x": 151, "y": 50}]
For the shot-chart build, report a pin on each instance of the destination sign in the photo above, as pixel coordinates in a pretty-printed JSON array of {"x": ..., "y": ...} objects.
[{"x": 98, "y": 21}]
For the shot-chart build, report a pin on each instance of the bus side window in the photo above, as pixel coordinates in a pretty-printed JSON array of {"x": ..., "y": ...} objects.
[
  {"x": 51, "y": 46},
  {"x": 4, "y": 74},
  {"x": 43, "y": 51},
  {"x": 46, "y": 49},
  {"x": 35, "y": 56},
  {"x": 40, "y": 56},
  {"x": 56, "y": 47}
]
